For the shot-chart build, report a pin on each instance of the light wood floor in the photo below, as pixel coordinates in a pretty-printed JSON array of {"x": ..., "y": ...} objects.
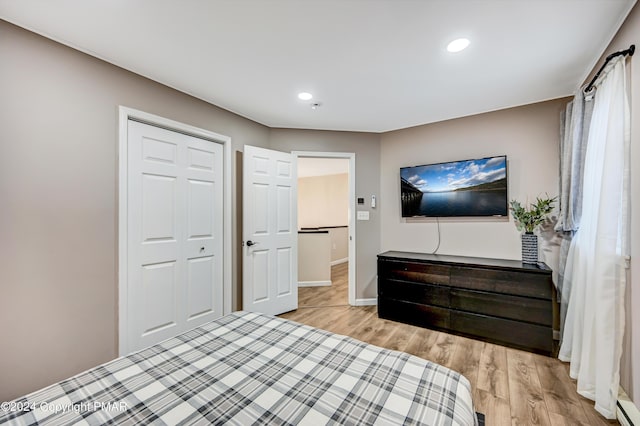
[
  {"x": 334, "y": 295},
  {"x": 510, "y": 387}
]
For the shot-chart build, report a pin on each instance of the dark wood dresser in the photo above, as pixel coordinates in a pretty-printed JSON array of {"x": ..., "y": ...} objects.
[{"x": 500, "y": 301}]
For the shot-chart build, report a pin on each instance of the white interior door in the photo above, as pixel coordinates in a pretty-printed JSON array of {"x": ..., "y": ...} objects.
[
  {"x": 175, "y": 265},
  {"x": 270, "y": 231}
]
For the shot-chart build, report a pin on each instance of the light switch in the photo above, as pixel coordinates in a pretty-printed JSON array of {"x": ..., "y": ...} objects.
[{"x": 363, "y": 215}]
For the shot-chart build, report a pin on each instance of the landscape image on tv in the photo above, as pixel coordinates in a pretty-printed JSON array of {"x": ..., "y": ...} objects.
[{"x": 460, "y": 188}]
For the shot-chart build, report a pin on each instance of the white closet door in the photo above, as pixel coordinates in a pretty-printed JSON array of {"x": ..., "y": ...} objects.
[
  {"x": 175, "y": 233},
  {"x": 270, "y": 268}
]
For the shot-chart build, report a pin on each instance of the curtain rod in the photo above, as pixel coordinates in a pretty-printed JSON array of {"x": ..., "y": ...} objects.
[{"x": 628, "y": 51}]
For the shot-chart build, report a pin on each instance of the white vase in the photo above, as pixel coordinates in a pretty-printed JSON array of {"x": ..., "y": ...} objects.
[{"x": 529, "y": 248}]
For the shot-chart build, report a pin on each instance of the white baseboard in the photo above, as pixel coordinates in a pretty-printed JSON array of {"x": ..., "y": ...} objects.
[
  {"x": 626, "y": 411},
  {"x": 339, "y": 261},
  {"x": 366, "y": 302},
  {"x": 314, "y": 283}
]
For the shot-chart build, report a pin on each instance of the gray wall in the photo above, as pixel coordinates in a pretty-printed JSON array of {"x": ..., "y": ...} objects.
[
  {"x": 366, "y": 147},
  {"x": 527, "y": 135},
  {"x": 58, "y": 201}
]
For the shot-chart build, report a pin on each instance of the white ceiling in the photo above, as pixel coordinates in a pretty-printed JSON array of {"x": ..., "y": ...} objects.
[{"x": 374, "y": 65}]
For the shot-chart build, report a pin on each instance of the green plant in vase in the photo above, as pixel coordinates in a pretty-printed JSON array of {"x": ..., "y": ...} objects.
[{"x": 527, "y": 220}]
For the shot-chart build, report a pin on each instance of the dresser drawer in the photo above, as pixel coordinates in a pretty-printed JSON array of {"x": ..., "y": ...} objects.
[
  {"x": 428, "y": 294},
  {"x": 537, "y": 311},
  {"x": 533, "y": 337},
  {"x": 517, "y": 283},
  {"x": 413, "y": 313},
  {"x": 413, "y": 271}
]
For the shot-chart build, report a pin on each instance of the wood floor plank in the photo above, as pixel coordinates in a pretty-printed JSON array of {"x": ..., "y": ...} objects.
[
  {"x": 422, "y": 342},
  {"x": 332, "y": 317},
  {"x": 466, "y": 359},
  {"x": 352, "y": 321},
  {"x": 316, "y": 317},
  {"x": 496, "y": 410},
  {"x": 527, "y": 403},
  {"x": 560, "y": 420},
  {"x": 400, "y": 338},
  {"x": 493, "y": 374},
  {"x": 558, "y": 390},
  {"x": 443, "y": 349},
  {"x": 378, "y": 331}
]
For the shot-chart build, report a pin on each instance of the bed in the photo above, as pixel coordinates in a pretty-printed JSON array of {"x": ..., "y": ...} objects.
[{"x": 248, "y": 368}]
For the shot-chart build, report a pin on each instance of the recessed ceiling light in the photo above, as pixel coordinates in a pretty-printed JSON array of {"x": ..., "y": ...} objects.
[
  {"x": 305, "y": 96},
  {"x": 458, "y": 45}
]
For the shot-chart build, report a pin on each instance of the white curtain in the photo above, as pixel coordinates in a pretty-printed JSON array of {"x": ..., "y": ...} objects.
[
  {"x": 574, "y": 133},
  {"x": 596, "y": 263}
]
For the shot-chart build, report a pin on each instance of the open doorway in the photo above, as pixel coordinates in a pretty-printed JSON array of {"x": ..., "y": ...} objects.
[{"x": 326, "y": 239}]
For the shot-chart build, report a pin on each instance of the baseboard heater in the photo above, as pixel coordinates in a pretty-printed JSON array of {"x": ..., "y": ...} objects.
[{"x": 626, "y": 411}]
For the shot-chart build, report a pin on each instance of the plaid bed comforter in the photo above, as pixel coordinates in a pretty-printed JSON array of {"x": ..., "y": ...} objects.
[{"x": 248, "y": 368}]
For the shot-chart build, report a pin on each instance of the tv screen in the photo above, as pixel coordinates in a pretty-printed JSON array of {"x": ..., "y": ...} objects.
[{"x": 458, "y": 188}]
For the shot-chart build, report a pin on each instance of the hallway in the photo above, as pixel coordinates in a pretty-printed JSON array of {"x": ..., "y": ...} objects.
[{"x": 334, "y": 295}]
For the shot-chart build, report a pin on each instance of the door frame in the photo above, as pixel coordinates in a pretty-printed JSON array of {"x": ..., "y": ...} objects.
[
  {"x": 124, "y": 115},
  {"x": 351, "y": 156}
]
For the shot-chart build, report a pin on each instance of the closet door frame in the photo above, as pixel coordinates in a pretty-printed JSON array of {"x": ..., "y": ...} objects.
[{"x": 126, "y": 114}]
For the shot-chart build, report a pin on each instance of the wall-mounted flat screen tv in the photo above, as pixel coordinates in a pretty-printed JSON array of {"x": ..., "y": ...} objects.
[{"x": 457, "y": 188}]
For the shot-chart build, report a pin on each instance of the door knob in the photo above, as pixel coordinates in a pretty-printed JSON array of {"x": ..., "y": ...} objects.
[{"x": 251, "y": 243}]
